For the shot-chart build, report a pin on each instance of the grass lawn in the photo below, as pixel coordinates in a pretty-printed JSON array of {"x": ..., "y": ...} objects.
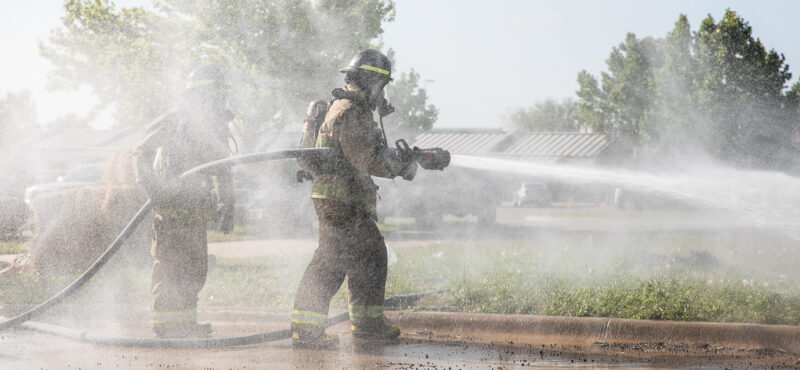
[
  {"x": 239, "y": 233},
  {"x": 665, "y": 276},
  {"x": 688, "y": 277},
  {"x": 12, "y": 247},
  {"x": 741, "y": 277}
]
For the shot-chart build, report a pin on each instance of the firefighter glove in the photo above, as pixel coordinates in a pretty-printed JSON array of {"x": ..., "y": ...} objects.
[{"x": 409, "y": 171}]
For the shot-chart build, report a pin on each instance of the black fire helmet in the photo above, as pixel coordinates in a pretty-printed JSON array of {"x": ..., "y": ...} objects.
[{"x": 370, "y": 60}]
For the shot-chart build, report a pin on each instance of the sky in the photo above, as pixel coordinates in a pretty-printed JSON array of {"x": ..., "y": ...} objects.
[{"x": 478, "y": 59}]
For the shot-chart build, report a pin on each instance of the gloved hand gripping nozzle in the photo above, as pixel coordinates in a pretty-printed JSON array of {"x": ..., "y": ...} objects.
[{"x": 429, "y": 159}]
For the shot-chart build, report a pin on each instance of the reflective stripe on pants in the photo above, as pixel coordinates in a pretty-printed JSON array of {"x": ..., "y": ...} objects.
[
  {"x": 309, "y": 318},
  {"x": 368, "y": 312}
]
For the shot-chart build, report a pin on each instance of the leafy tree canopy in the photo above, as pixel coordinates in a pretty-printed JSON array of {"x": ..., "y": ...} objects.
[
  {"x": 548, "y": 115},
  {"x": 277, "y": 55},
  {"x": 717, "y": 90},
  {"x": 17, "y": 116}
]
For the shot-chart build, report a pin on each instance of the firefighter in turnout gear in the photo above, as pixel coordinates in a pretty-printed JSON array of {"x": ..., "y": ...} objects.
[
  {"x": 193, "y": 134},
  {"x": 344, "y": 197}
]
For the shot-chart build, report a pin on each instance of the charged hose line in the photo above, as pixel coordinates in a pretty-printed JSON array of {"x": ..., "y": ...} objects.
[
  {"x": 272, "y": 336},
  {"x": 143, "y": 212}
]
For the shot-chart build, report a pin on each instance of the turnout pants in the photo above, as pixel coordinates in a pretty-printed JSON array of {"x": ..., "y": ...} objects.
[
  {"x": 351, "y": 246},
  {"x": 180, "y": 265}
]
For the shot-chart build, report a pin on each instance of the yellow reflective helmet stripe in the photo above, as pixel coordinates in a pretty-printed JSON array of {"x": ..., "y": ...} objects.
[{"x": 374, "y": 69}]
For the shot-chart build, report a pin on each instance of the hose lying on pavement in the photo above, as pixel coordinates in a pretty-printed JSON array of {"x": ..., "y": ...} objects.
[
  {"x": 143, "y": 212},
  {"x": 196, "y": 343}
]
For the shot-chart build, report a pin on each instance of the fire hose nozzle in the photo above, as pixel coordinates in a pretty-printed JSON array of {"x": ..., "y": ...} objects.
[
  {"x": 432, "y": 159},
  {"x": 429, "y": 159}
]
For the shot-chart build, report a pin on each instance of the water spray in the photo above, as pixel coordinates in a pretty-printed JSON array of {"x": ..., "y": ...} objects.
[
  {"x": 760, "y": 199},
  {"x": 128, "y": 230},
  {"x": 20, "y": 320}
]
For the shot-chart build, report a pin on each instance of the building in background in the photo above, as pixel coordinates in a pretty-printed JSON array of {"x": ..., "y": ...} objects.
[{"x": 459, "y": 192}]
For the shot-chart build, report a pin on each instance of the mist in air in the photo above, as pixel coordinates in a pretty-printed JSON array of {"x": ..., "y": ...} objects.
[{"x": 674, "y": 166}]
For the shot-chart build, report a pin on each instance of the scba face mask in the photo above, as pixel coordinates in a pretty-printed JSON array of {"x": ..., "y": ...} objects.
[
  {"x": 376, "y": 92},
  {"x": 379, "y": 97}
]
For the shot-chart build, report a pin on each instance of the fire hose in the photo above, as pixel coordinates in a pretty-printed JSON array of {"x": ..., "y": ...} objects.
[
  {"x": 126, "y": 232},
  {"x": 200, "y": 342}
]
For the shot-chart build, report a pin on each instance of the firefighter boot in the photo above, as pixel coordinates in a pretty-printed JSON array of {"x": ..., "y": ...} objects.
[
  {"x": 374, "y": 329},
  {"x": 313, "y": 339},
  {"x": 183, "y": 330}
]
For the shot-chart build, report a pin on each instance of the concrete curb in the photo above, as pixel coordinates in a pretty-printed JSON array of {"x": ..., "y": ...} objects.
[{"x": 532, "y": 329}]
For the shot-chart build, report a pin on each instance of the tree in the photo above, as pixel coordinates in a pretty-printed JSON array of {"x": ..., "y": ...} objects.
[
  {"x": 673, "y": 116},
  {"x": 548, "y": 115},
  {"x": 740, "y": 90},
  {"x": 277, "y": 55},
  {"x": 412, "y": 114},
  {"x": 719, "y": 91},
  {"x": 17, "y": 116},
  {"x": 70, "y": 121},
  {"x": 117, "y": 53},
  {"x": 621, "y": 106},
  {"x": 593, "y": 109}
]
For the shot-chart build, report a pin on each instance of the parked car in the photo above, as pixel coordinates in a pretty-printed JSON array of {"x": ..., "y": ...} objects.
[
  {"x": 536, "y": 193},
  {"x": 84, "y": 175},
  {"x": 639, "y": 200},
  {"x": 13, "y": 211},
  {"x": 455, "y": 191}
]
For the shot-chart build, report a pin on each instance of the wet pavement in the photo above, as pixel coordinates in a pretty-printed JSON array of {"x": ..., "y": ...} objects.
[
  {"x": 24, "y": 349},
  {"x": 416, "y": 349}
]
